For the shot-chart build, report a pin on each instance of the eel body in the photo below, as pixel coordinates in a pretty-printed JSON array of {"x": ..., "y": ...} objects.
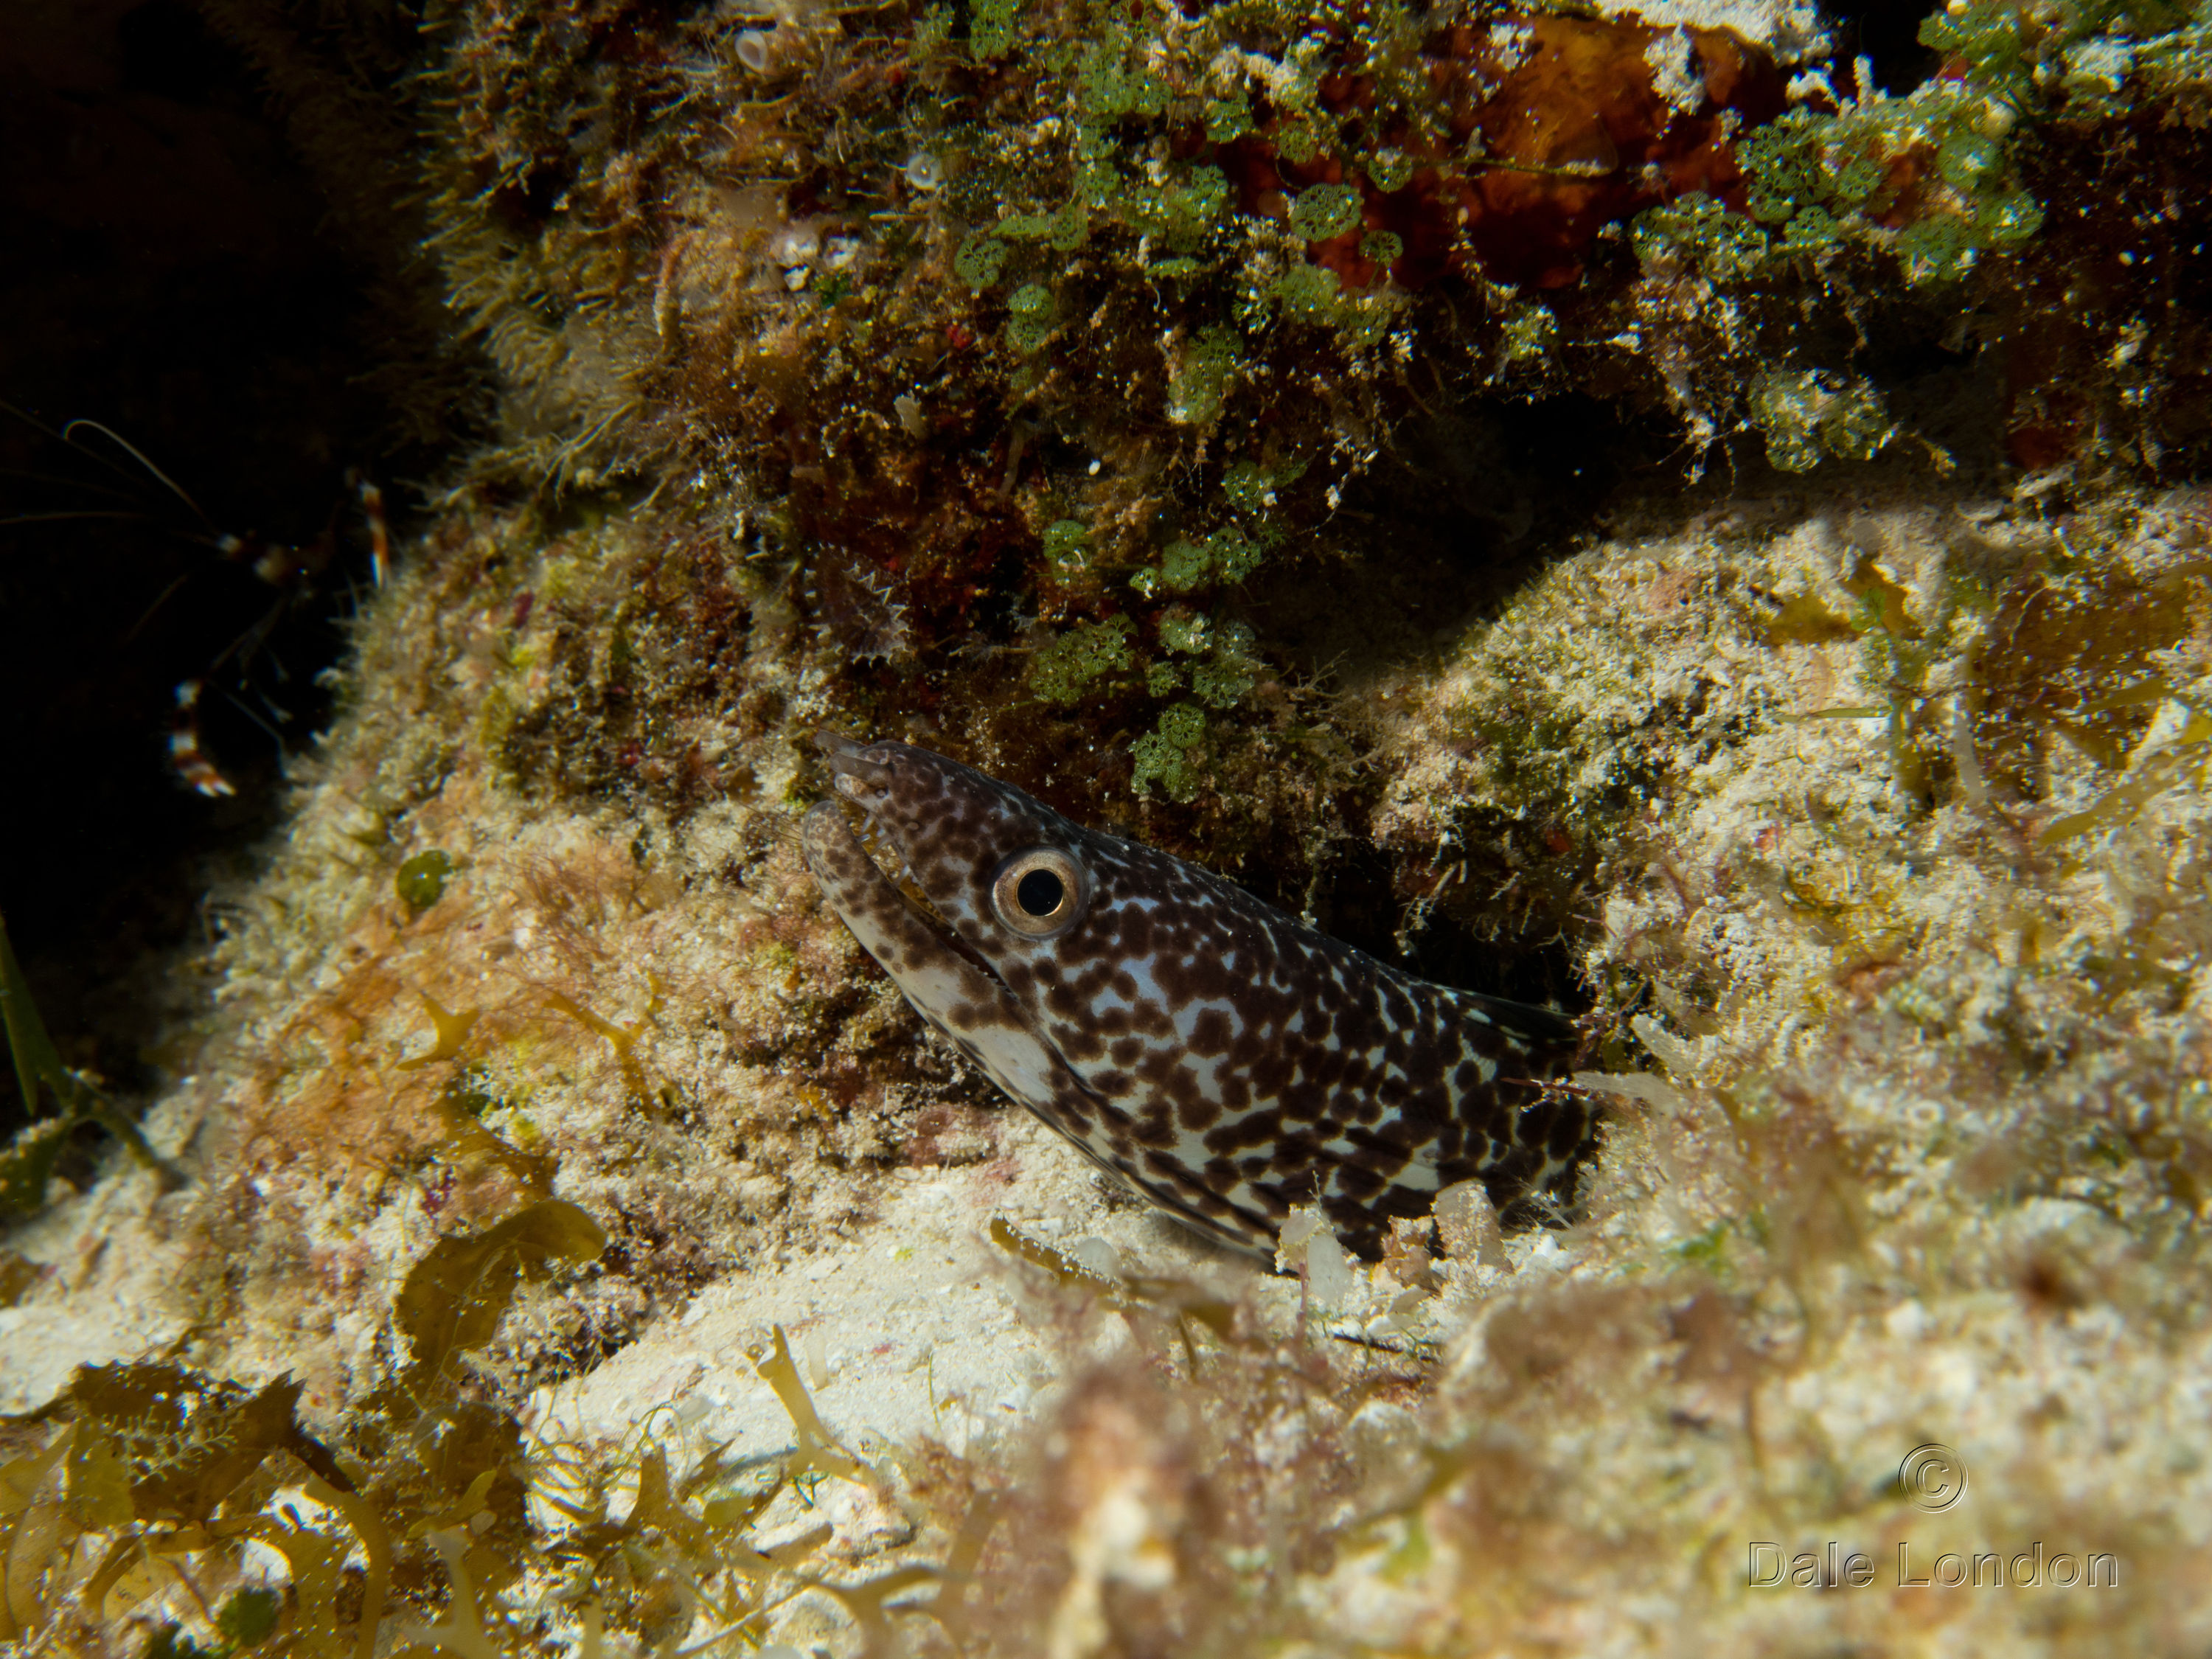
[{"x": 1200, "y": 1045}]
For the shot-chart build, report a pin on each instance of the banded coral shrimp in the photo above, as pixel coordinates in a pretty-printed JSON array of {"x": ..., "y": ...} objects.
[
  {"x": 125, "y": 818},
  {"x": 232, "y": 611}
]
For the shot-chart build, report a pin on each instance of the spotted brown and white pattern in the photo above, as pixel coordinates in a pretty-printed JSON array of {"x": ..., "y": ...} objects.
[{"x": 1221, "y": 1058}]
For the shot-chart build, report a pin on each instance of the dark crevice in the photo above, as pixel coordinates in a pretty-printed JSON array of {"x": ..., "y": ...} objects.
[
  {"x": 167, "y": 272},
  {"x": 166, "y": 48},
  {"x": 1886, "y": 34}
]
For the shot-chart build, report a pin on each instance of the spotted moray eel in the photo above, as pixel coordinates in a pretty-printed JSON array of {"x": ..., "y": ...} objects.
[{"x": 1199, "y": 1044}]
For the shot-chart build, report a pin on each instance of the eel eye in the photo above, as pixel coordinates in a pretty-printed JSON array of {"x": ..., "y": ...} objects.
[{"x": 1038, "y": 892}]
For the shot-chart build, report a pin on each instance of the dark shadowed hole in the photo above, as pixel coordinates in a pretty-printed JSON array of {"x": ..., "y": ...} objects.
[
  {"x": 1886, "y": 33},
  {"x": 1541, "y": 973},
  {"x": 1459, "y": 510},
  {"x": 223, "y": 344},
  {"x": 165, "y": 47},
  {"x": 1358, "y": 906},
  {"x": 1462, "y": 509}
]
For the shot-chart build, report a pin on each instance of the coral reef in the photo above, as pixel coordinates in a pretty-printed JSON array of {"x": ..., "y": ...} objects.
[
  {"x": 1620, "y": 510},
  {"x": 1008, "y": 327},
  {"x": 1891, "y": 821}
]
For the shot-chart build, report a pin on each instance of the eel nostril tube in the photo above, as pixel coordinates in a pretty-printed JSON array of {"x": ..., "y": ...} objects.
[{"x": 852, "y": 775}]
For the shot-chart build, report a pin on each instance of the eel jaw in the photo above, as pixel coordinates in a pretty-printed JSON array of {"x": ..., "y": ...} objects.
[
  {"x": 867, "y": 785},
  {"x": 939, "y": 975}
]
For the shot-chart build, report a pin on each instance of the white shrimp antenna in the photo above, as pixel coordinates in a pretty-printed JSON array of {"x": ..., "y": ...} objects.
[{"x": 68, "y": 436}]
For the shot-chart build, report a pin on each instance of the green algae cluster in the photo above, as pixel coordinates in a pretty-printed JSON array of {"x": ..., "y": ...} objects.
[
  {"x": 135, "y": 1465},
  {"x": 1169, "y": 755},
  {"x": 898, "y": 323},
  {"x": 1053, "y": 317},
  {"x": 1064, "y": 670},
  {"x": 1994, "y": 180},
  {"x": 1938, "y": 178},
  {"x": 1809, "y": 417}
]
